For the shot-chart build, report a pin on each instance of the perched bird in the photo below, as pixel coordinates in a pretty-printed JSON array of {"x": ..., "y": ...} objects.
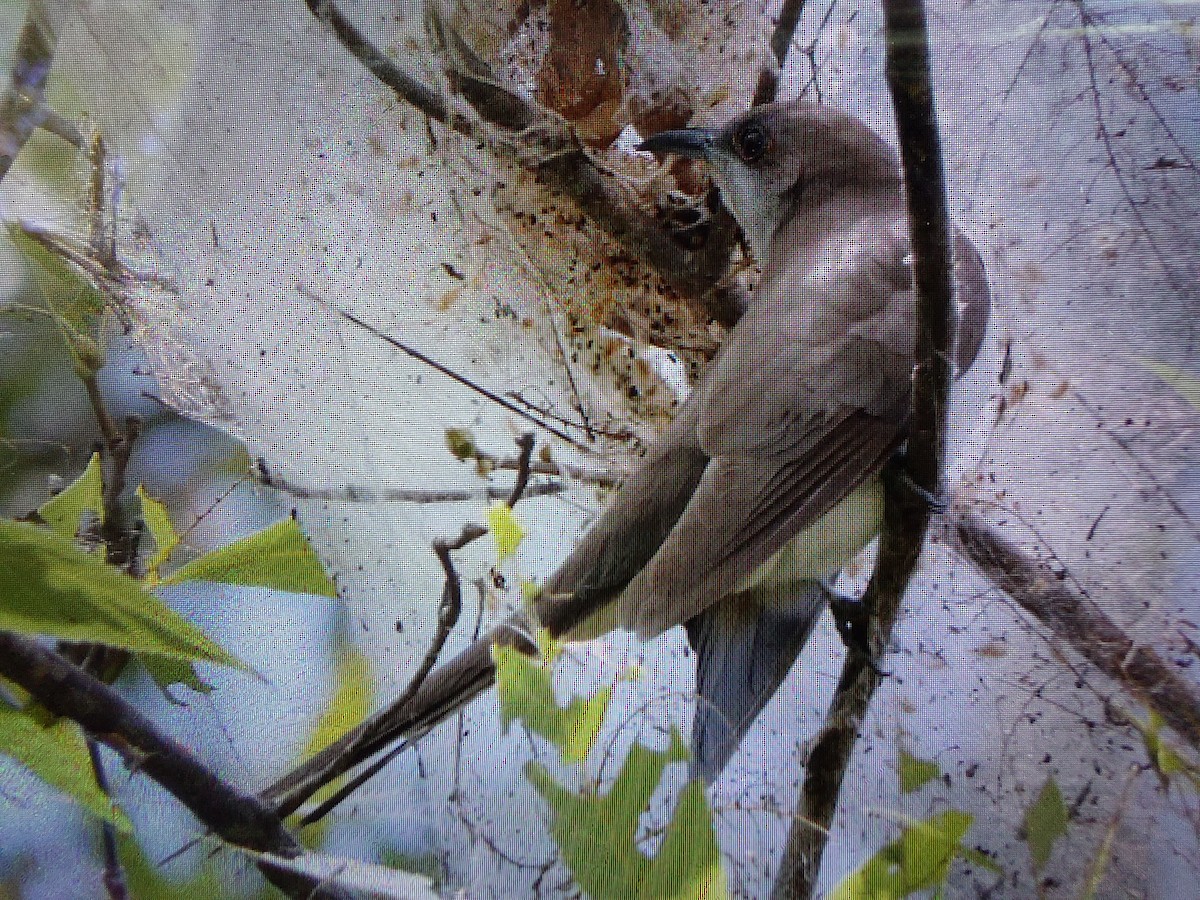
[{"x": 768, "y": 480}]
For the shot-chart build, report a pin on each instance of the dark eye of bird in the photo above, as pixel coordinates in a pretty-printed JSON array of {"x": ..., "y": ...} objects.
[{"x": 752, "y": 142}]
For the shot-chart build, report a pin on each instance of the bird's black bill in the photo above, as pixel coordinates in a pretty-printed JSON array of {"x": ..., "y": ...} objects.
[{"x": 694, "y": 143}]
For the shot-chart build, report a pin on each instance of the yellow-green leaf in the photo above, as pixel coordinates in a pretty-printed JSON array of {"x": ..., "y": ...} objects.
[
  {"x": 63, "y": 511},
  {"x": 71, "y": 296},
  {"x": 49, "y": 586},
  {"x": 353, "y": 696},
  {"x": 58, "y": 755},
  {"x": 505, "y": 528},
  {"x": 170, "y": 670},
  {"x": 461, "y": 443},
  {"x": 596, "y": 834},
  {"x": 916, "y": 861},
  {"x": 278, "y": 557},
  {"x": 915, "y": 773},
  {"x": 158, "y": 522},
  {"x": 526, "y": 693}
]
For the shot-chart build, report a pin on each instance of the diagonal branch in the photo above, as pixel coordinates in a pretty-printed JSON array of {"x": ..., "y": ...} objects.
[
  {"x": 906, "y": 516},
  {"x": 781, "y": 41},
  {"x": 544, "y": 143},
  {"x": 1073, "y": 617},
  {"x": 239, "y": 818}
]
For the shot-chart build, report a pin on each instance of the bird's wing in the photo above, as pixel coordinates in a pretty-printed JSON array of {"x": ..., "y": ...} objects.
[
  {"x": 744, "y": 510},
  {"x": 808, "y": 400},
  {"x": 636, "y": 520}
]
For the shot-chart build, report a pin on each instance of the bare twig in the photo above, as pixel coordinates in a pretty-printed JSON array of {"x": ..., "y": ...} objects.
[
  {"x": 355, "y": 494},
  {"x": 239, "y": 818},
  {"x": 450, "y": 373},
  {"x": 524, "y": 462},
  {"x": 781, "y": 42},
  {"x": 906, "y": 516},
  {"x": 114, "y": 875},
  {"x": 449, "y": 611},
  {"x": 406, "y": 86},
  {"x": 21, "y": 108}
]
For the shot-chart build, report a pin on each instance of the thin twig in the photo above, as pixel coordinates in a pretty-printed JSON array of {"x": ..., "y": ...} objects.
[
  {"x": 21, "y": 109},
  {"x": 449, "y": 611},
  {"x": 906, "y": 517},
  {"x": 781, "y": 42},
  {"x": 355, "y": 494},
  {"x": 524, "y": 460},
  {"x": 114, "y": 875},
  {"x": 239, "y": 818},
  {"x": 455, "y": 376}
]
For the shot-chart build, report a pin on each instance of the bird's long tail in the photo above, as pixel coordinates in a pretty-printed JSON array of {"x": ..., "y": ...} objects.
[
  {"x": 745, "y": 648},
  {"x": 447, "y": 689}
]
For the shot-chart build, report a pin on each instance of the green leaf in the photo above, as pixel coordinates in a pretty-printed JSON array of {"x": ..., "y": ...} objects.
[
  {"x": 1167, "y": 761},
  {"x": 461, "y": 443},
  {"x": 58, "y": 755},
  {"x": 526, "y": 693},
  {"x": 596, "y": 834},
  {"x": 49, "y": 586},
  {"x": 1185, "y": 383},
  {"x": 158, "y": 522},
  {"x": 915, "y": 773},
  {"x": 278, "y": 557},
  {"x": 169, "y": 670},
  {"x": 63, "y": 511},
  {"x": 71, "y": 296},
  {"x": 918, "y": 860},
  {"x": 505, "y": 528},
  {"x": 353, "y": 696}
]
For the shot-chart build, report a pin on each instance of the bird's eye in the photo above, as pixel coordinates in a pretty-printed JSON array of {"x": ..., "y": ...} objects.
[{"x": 751, "y": 142}]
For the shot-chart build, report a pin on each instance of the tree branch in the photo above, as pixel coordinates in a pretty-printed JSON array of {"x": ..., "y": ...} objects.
[
  {"x": 545, "y": 144},
  {"x": 781, "y": 42},
  {"x": 906, "y": 516},
  {"x": 1075, "y": 618},
  {"x": 21, "y": 109},
  {"x": 239, "y": 818}
]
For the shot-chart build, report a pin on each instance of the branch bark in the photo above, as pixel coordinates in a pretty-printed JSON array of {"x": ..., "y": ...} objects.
[
  {"x": 545, "y": 144},
  {"x": 1074, "y": 617},
  {"x": 906, "y": 516},
  {"x": 239, "y": 818}
]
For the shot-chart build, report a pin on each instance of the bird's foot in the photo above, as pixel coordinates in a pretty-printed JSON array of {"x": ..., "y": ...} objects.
[
  {"x": 853, "y": 622},
  {"x": 895, "y": 475}
]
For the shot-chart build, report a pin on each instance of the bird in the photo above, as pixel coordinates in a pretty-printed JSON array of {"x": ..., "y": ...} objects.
[{"x": 768, "y": 480}]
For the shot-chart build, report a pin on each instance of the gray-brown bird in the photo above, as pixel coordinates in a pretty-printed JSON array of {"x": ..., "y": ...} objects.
[{"x": 768, "y": 480}]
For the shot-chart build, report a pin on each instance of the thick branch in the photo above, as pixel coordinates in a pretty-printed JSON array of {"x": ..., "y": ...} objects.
[
  {"x": 906, "y": 518},
  {"x": 239, "y": 818},
  {"x": 1076, "y": 619}
]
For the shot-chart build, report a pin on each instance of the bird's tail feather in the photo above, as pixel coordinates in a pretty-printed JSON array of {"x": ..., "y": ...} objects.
[
  {"x": 745, "y": 647},
  {"x": 447, "y": 689}
]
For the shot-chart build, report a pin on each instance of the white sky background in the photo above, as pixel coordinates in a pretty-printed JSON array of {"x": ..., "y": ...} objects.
[{"x": 305, "y": 171}]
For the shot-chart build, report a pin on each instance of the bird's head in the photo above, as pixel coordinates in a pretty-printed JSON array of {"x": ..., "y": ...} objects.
[{"x": 775, "y": 160}]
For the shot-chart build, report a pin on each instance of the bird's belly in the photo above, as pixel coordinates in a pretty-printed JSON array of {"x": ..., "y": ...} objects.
[{"x": 826, "y": 545}]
